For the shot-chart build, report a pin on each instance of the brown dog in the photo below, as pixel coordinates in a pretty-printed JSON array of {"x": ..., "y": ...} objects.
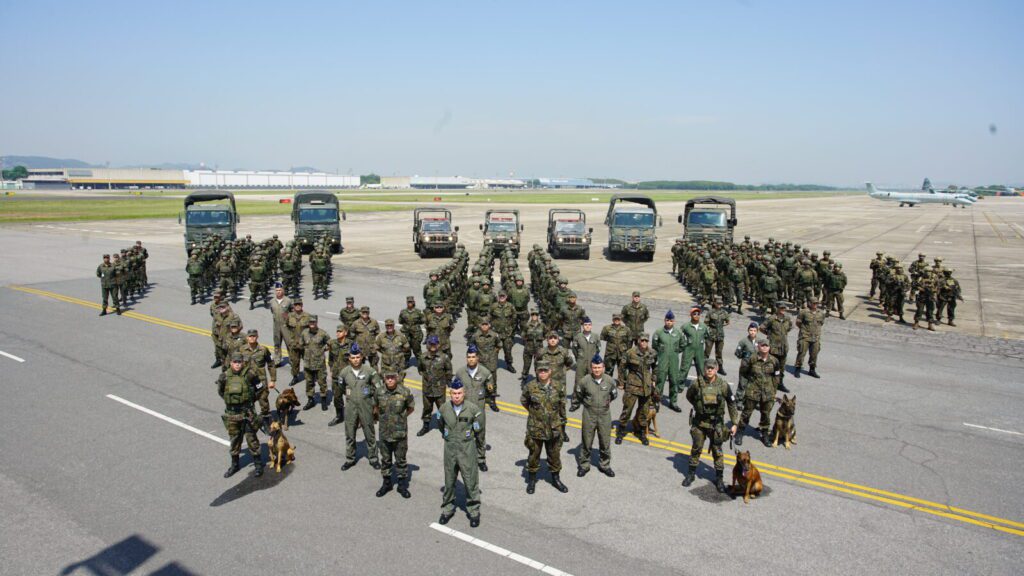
[
  {"x": 784, "y": 429},
  {"x": 745, "y": 477},
  {"x": 285, "y": 402},
  {"x": 652, "y": 420},
  {"x": 281, "y": 451}
]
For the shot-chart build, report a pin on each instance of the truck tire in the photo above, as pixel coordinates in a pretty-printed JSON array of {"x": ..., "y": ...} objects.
[
  {"x": 555, "y": 252},
  {"x": 649, "y": 257},
  {"x": 586, "y": 254},
  {"x": 423, "y": 251}
]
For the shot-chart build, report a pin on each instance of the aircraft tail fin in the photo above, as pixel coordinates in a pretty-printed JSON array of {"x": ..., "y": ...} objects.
[{"x": 871, "y": 188}]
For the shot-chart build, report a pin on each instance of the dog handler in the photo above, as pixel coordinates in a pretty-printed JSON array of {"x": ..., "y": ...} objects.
[{"x": 710, "y": 396}]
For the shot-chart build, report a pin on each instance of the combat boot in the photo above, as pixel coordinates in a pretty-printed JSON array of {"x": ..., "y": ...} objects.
[
  {"x": 765, "y": 439},
  {"x": 719, "y": 483},
  {"x": 721, "y": 369},
  {"x": 931, "y": 327},
  {"x": 193, "y": 299},
  {"x": 739, "y": 438},
  {"x": 557, "y": 483},
  {"x": 323, "y": 402},
  {"x": 951, "y": 323},
  {"x": 310, "y": 403},
  {"x": 796, "y": 373},
  {"x": 620, "y": 433},
  {"x": 813, "y": 373},
  {"x": 119, "y": 310},
  {"x": 531, "y": 482},
  {"x": 265, "y": 426},
  {"x": 782, "y": 388},
  {"x": 216, "y": 363},
  {"x": 385, "y": 487},
  {"x": 233, "y": 468},
  {"x": 674, "y": 407},
  {"x": 339, "y": 417},
  {"x": 643, "y": 438},
  {"x": 424, "y": 430},
  {"x": 565, "y": 437},
  {"x": 915, "y": 325},
  {"x": 403, "y": 487},
  {"x": 104, "y": 311},
  {"x": 691, "y": 475},
  {"x": 494, "y": 405},
  {"x": 258, "y": 464},
  {"x": 252, "y": 304}
]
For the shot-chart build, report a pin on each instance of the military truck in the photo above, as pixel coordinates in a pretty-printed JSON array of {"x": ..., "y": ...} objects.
[
  {"x": 568, "y": 233},
  {"x": 316, "y": 215},
  {"x": 432, "y": 232},
  {"x": 632, "y": 221},
  {"x": 501, "y": 230},
  {"x": 209, "y": 214},
  {"x": 709, "y": 218}
]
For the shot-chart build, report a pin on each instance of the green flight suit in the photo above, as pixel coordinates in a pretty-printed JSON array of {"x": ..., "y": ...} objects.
[
  {"x": 460, "y": 431},
  {"x": 479, "y": 387},
  {"x": 693, "y": 350},
  {"x": 668, "y": 344},
  {"x": 359, "y": 387},
  {"x": 596, "y": 396}
]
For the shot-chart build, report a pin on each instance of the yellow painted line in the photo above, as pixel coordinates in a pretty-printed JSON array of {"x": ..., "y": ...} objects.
[
  {"x": 818, "y": 481},
  {"x": 994, "y": 229}
]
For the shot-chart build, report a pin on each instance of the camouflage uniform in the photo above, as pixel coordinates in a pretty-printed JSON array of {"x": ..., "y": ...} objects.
[
  {"x": 762, "y": 376},
  {"x": 640, "y": 367},
  {"x": 393, "y": 408},
  {"x": 543, "y": 402},
  {"x": 239, "y": 391}
]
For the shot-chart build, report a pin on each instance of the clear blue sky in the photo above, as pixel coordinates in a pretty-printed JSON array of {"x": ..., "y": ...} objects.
[{"x": 754, "y": 91}]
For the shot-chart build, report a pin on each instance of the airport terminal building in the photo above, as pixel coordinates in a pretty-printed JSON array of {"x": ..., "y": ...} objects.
[{"x": 158, "y": 179}]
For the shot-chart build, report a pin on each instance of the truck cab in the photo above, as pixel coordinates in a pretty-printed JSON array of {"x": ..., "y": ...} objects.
[
  {"x": 568, "y": 233},
  {"x": 709, "y": 218},
  {"x": 316, "y": 215},
  {"x": 501, "y": 230},
  {"x": 632, "y": 222},
  {"x": 209, "y": 214},
  {"x": 433, "y": 233}
]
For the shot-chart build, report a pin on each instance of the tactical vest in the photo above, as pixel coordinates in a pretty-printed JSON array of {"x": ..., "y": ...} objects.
[{"x": 236, "y": 389}]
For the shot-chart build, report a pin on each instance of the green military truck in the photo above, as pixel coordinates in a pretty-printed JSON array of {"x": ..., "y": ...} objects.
[
  {"x": 209, "y": 214},
  {"x": 709, "y": 218},
  {"x": 632, "y": 222},
  {"x": 432, "y": 232},
  {"x": 568, "y": 234},
  {"x": 316, "y": 214},
  {"x": 501, "y": 230}
]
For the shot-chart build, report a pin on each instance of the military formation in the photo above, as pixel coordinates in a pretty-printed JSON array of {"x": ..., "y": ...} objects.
[
  {"x": 930, "y": 287},
  {"x": 123, "y": 277}
]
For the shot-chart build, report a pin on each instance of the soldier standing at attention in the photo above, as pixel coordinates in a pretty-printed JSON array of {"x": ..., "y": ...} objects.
[
  {"x": 435, "y": 368},
  {"x": 710, "y": 396},
  {"x": 837, "y": 283},
  {"x": 108, "y": 284},
  {"x": 280, "y": 305},
  {"x": 479, "y": 382},
  {"x": 460, "y": 422},
  {"x": 559, "y": 361},
  {"x": 393, "y": 349},
  {"x": 296, "y": 322},
  {"x": 315, "y": 343},
  {"x": 926, "y": 292},
  {"x": 776, "y": 328},
  {"x": 194, "y": 269},
  {"x": 239, "y": 388},
  {"x": 809, "y": 322},
  {"x": 503, "y": 318},
  {"x": 221, "y": 328},
  {"x": 533, "y": 340},
  {"x": 365, "y": 330},
  {"x": 668, "y": 343},
  {"x": 487, "y": 344},
  {"x": 617, "y": 341},
  {"x": 745, "y": 350},
  {"x": 949, "y": 293},
  {"x": 349, "y": 314},
  {"x": 359, "y": 383},
  {"x": 393, "y": 405},
  {"x": 876, "y": 266},
  {"x": 717, "y": 320},
  {"x": 440, "y": 323},
  {"x": 337, "y": 358},
  {"x": 639, "y": 372},
  {"x": 696, "y": 334},
  {"x": 634, "y": 315},
  {"x": 543, "y": 401},
  {"x": 762, "y": 372},
  {"x": 412, "y": 321},
  {"x": 257, "y": 359},
  {"x": 596, "y": 392},
  {"x": 584, "y": 345}
]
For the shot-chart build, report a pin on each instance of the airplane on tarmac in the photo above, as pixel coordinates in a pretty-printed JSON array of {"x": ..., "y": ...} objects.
[{"x": 928, "y": 195}]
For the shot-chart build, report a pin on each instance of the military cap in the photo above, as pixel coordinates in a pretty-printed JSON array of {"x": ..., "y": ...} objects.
[
  {"x": 597, "y": 359},
  {"x": 839, "y": 264},
  {"x": 456, "y": 384},
  {"x": 543, "y": 365},
  {"x": 762, "y": 342},
  {"x": 753, "y": 325},
  {"x": 410, "y": 298},
  {"x": 718, "y": 299},
  {"x": 236, "y": 357},
  {"x": 645, "y": 336},
  {"x": 571, "y": 294},
  {"x": 827, "y": 252},
  {"x": 670, "y": 315},
  {"x": 364, "y": 309},
  {"x": 587, "y": 320},
  {"x": 485, "y": 320},
  {"x": 533, "y": 311},
  {"x": 235, "y": 324},
  {"x": 389, "y": 322},
  {"x": 433, "y": 340},
  {"x": 312, "y": 318},
  {"x": 812, "y": 300},
  {"x": 879, "y": 253},
  {"x": 502, "y": 294},
  {"x": 107, "y": 256},
  {"x": 472, "y": 349},
  {"x": 355, "y": 349},
  {"x": 349, "y": 299},
  {"x": 636, "y": 292},
  {"x": 253, "y": 332},
  {"x": 439, "y": 304},
  {"x": 552, "y": 334},
  {"x": 297, "y": 302},
  {"x": 562, "y": 279},
  {"x": 391, "y": 372},
  {"x": 947, "y": 271},
  {"x": 782, "y": 304},
  {"x": 434, "y": 273},
  {"x": 476, "y": 279},
  {"x": 616, "y": 316},
  {"x": 341, "y": 328},
  {"x": 711, "y": 363},
  {"x": 938, "y": 258}
]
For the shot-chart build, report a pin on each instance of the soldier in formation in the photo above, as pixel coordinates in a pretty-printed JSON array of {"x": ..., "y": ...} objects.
[
  {"x": 392, "y": 406},
  {"x": 595, "y": 392},
  {"x": 461, "y": 424},
  {"x": 710, "y": 397},
  {"x": 544, "y": 404}
]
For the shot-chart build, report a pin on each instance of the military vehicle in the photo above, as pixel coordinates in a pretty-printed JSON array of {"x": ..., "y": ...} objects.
[
  {"x": 568, "y": 233},
  {"x": 632, "y": 221},
  {"x": 432, "y": 232},
  {"x": 316, "y": 215},
  {"x": 709, "y": 218},
  {"x": 501, "y": 230},
  {"x": 207, "y": 214}
]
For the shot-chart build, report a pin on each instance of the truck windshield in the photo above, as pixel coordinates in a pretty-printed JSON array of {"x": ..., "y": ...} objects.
[
  {"x": 208, "y": 218},
  {"x": 716, "y": 219},
  {"x": 435, "y": 226},
  {"x": 570, "y": 227},
  {"x": 318, "y": 215},
  {"x": 636, "y": 219},
  {"x": 501, "y": 226}
]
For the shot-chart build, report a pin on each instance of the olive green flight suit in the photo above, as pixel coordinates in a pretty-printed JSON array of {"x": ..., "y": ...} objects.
[{"x": 460, "y": 430}]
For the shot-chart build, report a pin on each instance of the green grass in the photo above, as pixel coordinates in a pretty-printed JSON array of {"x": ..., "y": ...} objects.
[{"x": 133, "y": 208}]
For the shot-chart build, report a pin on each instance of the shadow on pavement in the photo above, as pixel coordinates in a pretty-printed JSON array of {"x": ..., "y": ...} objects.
[
  {"x": 251, "y": 484},
  {"x": 124, "y": 558}
]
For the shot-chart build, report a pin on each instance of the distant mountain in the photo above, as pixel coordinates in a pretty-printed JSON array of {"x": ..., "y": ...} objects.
[
  {"x": 170, "y": 166},
  {"x": 43, "y": 162}
]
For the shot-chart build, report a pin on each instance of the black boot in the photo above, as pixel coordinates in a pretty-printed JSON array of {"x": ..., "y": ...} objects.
[
  {"x": 782, "y": 387},
  {"x": 104, "y": 311},
  {"x": 233, "y": 468},
  {"x": 643, "y": 439},
  {"x": 347, "y": 465},
  {"x": 257, "y": 462},
  {"x": 739, "y": 437},
  {"x": 193, "y": 300},
  {"x": 403, "y": 487},
  {"x": 310, "y": 403},
  {"x": 691, "y": 475},
  {"x": 719, "y": 483},
  {"x": 813, "y": 373},
  {"x": 565, "y": 437},
  {"x": 511, "y": 368},
  {"x": 531, "y": 482},
  {"x": 424, "y": 430},
  {"x": 323, "y": 402},
  {"x": 796, "y": 374},
  {"x": 766, "y": 439},
  {"x": 339, "y": 417},
  {"x": 265, "y": 426},
  {"x": 674, "y": 407},
  {"x": 494, "y": 405},
  {"x": 385, "y": 487},
  {"x": 557, "y": 483},
  {"x": 620, "y": 433},
  {"x": 216, "y": 364},
  {"x": 445, "y": 518},
  {"x": 721, "y": 370}
]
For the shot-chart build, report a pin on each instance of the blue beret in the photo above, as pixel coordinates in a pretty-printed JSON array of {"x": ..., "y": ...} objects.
[
  {"x": 753, "y": 325},
  {"x": 355, "y": 349},
  {"x": 472, "y": 349},
  {"x": 586, "y": 320},
  {"x": 456, "y": 384},
  {"x": 433, "y": 340},
  {"x": 278, "y": 285},
  {"x": 597, "y": 359},
  {"x": 670, "y": 315}
]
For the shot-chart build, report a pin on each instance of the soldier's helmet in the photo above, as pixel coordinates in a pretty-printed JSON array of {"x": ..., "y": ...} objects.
[
  {"x": 839, "y": 264},
  {"x": 746, "y": 237},
  {"x": 827, "y": 252},
  {"x": 771, "y": 267}
]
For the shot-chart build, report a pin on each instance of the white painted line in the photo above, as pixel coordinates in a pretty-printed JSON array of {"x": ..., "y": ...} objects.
[
  {"x": 170, "y": 420},
  {"x": 330, "y": 313},
  {"x": 994, "y": 429},
  {"x": 11, "y": 356},
  {"x": 499, "y": 550}
]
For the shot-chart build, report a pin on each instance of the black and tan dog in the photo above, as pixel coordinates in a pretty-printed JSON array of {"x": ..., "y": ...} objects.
[
  {"x": 652, "y": 421},
  {"x": 285, "y": 402},
  {"x": 784, "y": 429},
  {"x": 281, "y": 451},
  {"x": 746, "y": 479}
]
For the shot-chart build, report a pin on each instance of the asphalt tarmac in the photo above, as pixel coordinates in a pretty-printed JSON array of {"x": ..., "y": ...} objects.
[{"x": 907, "y": 451}]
